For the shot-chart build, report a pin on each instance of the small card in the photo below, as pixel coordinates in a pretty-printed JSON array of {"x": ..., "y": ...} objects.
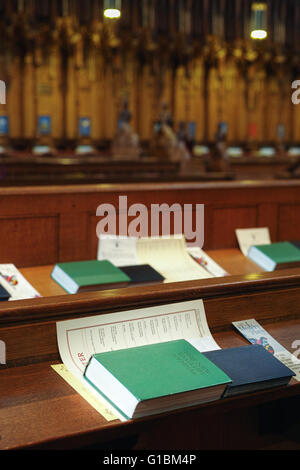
[
  {"x": 44, "y": 125},
  {"x": 4, "y": 125},
  {"x": 84, "y": 126},
  {"x": 15, "y": 283},
  {"x": 121, "y": 251},
  {"x": 256, "y": 334},
  {"x": 248, "y": 237}
]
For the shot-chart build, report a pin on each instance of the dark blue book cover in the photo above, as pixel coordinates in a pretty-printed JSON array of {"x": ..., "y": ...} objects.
[
  {"x": 84, "y": 126},
  {"x": 4, "y": 295},
  {"x": 4, "y": 125},
  {"x": 44, "y": 125},
  {"x": 142, "y": 273},
  {"x": 250, "y": 368},
  {"x": 296, "y": 244}
]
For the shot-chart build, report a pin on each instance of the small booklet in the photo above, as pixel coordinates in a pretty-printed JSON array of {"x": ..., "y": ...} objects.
[
  {"x": 256, "y": 334},
  {"x": 248, "y": 237},
  {"x": 119, "y": 250},
  {"x": 16, "y": 284},
  {"x": 250, "y": 368}
]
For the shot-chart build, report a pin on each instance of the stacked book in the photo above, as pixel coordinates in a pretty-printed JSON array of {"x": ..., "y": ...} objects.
[
  {"x": 162, "y": 358},
  {"x": 273, "y": 256},
  {"x": 83, "y": 276},
  {"x": 156, "y": 378}
]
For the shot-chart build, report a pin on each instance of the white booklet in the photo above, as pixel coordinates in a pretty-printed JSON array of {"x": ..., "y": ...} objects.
[
  {"x": 16, "y": 284},
  {"x": 121, "y": 251},
  {"x": 79, "y": 339},
  {"x": 248, "y": 237},
  {"x": 167, "y": 255},
  {"x": 256, "y": 334}
]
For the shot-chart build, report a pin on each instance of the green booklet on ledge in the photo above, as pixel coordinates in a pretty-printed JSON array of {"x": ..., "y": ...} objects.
[
  {"x": 280, "y": 255},
  {"x": 82, "y": 276},
  {"x": 155, "y": 378}
]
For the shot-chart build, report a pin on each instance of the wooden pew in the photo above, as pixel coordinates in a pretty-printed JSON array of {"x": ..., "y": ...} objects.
[
  {"x": 38, "y": 410},
  {"x": 231, "y": 260},
  {"x": 44, "y": 225},
  {"x": 70, "y": 169},
  {"x": 265, "y": 168},
  {"x": 21, "y": 169}
]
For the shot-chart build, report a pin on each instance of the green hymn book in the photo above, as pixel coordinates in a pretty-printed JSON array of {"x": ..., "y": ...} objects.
[
  {"x": 80, "y": 276},
  {"x": 280, "y": 255},
  {"x": 155, "y": 378}
]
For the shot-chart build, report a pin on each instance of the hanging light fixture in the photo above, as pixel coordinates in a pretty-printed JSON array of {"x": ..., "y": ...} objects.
[
  {"x": 259, "y": 20},
  {"x": 112, "y": 8}
]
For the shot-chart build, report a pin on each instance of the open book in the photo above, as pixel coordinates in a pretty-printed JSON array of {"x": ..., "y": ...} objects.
[
  {"x": 167, "y": 255},
  {"x": 79, "y": 339}
]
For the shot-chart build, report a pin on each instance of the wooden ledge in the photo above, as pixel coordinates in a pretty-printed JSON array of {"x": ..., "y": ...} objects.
[
  {"x": 92, "y": 303},
  {"x": 151, "y": 186}
]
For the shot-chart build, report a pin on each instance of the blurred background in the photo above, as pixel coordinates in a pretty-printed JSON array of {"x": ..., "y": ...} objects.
[{"x": 169, "y": 89}]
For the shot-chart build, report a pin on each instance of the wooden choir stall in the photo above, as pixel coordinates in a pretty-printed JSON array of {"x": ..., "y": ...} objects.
[{"x": 149, "y": 115}]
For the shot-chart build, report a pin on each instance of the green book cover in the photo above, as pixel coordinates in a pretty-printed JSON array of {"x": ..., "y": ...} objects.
[
  {"x": 79, "y": 274},
  {"x": 158, "y": 370},
  {"x": 281, "y": 252}
]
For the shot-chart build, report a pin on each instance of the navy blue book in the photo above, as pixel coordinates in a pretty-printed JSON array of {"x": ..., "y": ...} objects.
[
  {"x": 250, "y": 368},
  {"x": 142, "y": 274},
  {"x": 4, "y": 295},
  {"x": 296, "y": 244}
]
